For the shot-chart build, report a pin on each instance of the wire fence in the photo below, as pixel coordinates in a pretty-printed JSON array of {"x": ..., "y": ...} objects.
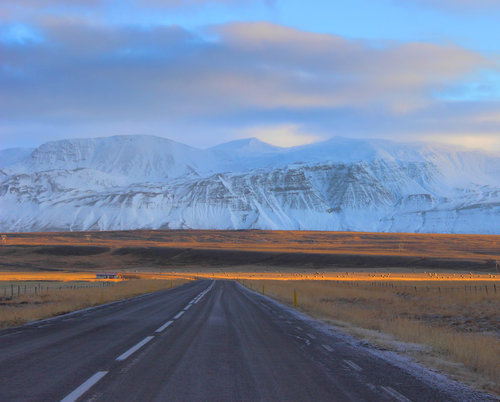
[
  {"x": 10, "y": 291},
  {"x": 466, "y": 288}
]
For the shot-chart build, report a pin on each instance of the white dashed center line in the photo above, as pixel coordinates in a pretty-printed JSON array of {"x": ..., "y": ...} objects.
[
  {"x": 77, "y": 393},
  {"x": 327, "y": 348},
  {"x": 164, "y": 326},
  {"x": 134, "y": 349}
]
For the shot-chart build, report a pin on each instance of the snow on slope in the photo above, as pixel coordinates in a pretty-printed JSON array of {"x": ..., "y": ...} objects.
[
  {"x": 135, "y": 157},
  {"x": 12, "y": 156},
  {"x": 341, "y": 184}
]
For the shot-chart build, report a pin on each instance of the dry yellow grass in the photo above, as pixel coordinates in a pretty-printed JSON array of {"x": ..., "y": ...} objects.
[
  {"x": 462, "y": 324},
  {"x": 367, "y": 275},
  {"x": 70, "y": 276},
  {"x": 30, "y": 307}
]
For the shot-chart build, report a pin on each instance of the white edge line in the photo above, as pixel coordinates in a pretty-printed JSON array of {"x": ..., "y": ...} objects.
[
  {"x": 11, "y": 333},
  {"x": 78, "y": 392},
  {"x": 327, "y": 348},
  {"x": 395, "y": 394},
  {"x": 135, "y": 348},
  {"x": 178, "y": 315},
  {"x": 311, "y": 336},
  {"x": 353, "y": 365},
  {"x": 187, "y": 307},
  {"x": 164, "y": 326}
]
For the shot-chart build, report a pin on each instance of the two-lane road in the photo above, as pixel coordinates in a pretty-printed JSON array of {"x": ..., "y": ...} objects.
[{"x": 202, "y": 341}]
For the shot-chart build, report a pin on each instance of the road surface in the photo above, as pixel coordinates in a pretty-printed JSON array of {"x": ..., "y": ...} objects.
[{"x": 202, "y": 341}]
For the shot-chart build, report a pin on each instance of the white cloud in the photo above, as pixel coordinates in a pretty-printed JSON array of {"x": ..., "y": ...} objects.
[
  {"x": 284, "y": 82},
  {"x": 283, "y": 135}
]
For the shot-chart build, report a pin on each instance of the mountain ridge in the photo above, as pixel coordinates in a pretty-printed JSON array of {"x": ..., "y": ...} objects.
[{"x": 139, "y": 182}]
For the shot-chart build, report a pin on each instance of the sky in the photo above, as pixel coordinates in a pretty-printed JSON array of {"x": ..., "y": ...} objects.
[{"x": 288, "y": 72}]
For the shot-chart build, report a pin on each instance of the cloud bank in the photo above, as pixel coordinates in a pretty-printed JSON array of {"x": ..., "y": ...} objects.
[{"x": 75, "y": 77}]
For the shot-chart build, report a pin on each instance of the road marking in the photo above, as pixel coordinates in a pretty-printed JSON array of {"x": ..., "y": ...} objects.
[
  {"x": 134, "y": 348},
  {"x": 395, "y": 394},
  {"x": 353, "y": 365},
  {"x": 164, "y": 326},
  {"x": 12, "y": 333},
  {"x": 44, "y": 325},
  {"x": 178, "y": 315},
  {"x": 198, "y": 298},
  {"x": 299, "y": 328},
  {"x": 187, "y": 307},
  {"x": 327, "y": 348},
  {"x": 305, "y": 340},
  {"x": 77, "y": 393},
  {"x": 311, "y": 336}
]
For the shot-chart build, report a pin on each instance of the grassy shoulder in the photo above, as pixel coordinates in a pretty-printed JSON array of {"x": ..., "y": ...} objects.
[
  {"x": 452, "y": 326},
  {"x": 56, "y": 298}
]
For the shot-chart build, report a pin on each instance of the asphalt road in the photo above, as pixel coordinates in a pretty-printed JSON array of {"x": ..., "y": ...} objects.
[{"x": 202, "y": 341}]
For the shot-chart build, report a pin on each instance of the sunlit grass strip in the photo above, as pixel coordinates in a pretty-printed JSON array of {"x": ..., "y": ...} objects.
[
  {"x": 30, "y": 307},
  {"x": 352, "y": 276},
  {"x": 65, "y": 276}
]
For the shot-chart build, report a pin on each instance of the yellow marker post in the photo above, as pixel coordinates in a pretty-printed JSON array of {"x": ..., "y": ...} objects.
[
  {"x": 262, "y": 289},
  {"x": 102, "y": 297},
  {"x": 150, "y": 288},
  {"x": 294, "y": 298}
]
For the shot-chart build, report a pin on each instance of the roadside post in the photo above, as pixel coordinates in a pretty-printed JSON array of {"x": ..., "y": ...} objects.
[{"x": 294, "y": 298}]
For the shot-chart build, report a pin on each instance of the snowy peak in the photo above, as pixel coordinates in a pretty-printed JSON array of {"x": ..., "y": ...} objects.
[
  {"x": 137, "y": 157},
  {"x": 247, "y": 147}
]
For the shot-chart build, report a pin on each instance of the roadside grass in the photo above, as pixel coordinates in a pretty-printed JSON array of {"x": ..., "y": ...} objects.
[
  {"x": 455, "y": 320},
  {"x": 60, "y": 298}
]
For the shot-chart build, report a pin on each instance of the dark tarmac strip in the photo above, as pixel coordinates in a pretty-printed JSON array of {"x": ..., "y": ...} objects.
[{"x": 202, "y": 341}]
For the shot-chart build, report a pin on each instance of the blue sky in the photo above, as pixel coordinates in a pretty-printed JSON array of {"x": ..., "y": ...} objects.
[{"x": 288, "y": 72}]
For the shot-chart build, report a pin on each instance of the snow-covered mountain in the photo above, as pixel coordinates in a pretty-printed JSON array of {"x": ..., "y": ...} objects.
[{"x": 130, "y": 182}]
